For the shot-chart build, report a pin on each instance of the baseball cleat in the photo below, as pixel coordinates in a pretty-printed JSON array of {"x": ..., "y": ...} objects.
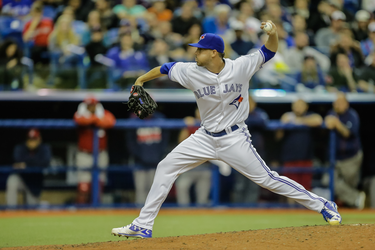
[
  {"x": 132, "y": 231},
  {"x": 330, "y": 213}
]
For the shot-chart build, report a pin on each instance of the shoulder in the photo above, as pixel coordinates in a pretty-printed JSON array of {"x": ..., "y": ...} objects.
[{"x": 353, "y": 113}]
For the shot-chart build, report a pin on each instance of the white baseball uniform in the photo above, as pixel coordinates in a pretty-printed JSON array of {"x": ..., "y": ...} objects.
[{"x": 223, "y": 105}]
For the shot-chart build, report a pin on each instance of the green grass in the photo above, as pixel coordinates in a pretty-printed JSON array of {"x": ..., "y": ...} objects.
[{"x": 49, "y": 230}]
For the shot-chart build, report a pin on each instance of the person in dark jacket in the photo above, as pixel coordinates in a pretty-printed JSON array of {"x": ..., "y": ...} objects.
[
  {"x": 96, "y": 73},
  {"x": 246, "y": 191},
  {"x": 345, "y": 121},
  {"x": 31, "y": 154},
  {"x": 293, "y": 152},
  {"x": 146, "y": 146}
]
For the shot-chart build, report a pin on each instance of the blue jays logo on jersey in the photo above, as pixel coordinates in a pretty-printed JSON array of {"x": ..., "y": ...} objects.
[{"x": 237, "y": 101}]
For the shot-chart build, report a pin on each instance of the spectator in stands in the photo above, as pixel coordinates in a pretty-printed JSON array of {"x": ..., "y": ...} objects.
[
  {"x": 199, "y": 177},
  {"x": 218, "y": 24},
  {"x": 146, "y": 146},
  {"x": 164, "y": 31},
  {"x": 301, "y": 8},
  {"x": 239, "y": 45},
  {"x": 62, "y": 39},
  {"x": 18, "y": 9},
  {"x": 91, "y": 114},
  {"x": 196, "y": 10},
  {"x": 342, "y": 77},
  {"x": 346, "y": 45},
  {"x": 311, "y": 76},
  {"x": 33, "y": 154},
  {"x": 129, "y": 63},
  {"x": 93, "y": 23},
  {"x": 129, "y": 8},
  {"x": 63, "y": 45},
  {"x": 208, "y": 7},
  {"x": 10, "y": 66},
  {"x": 159, "y": 8},
  {"x": 182, "y": 23},
  {"x": 244, "y": 190},
  {"x": 193, "y": 34},
  {"x": 345, "y": 121},
  {"x": 368, "y": 45},
  {"x": 325, "y": 37},
  {"x": 251, "y": 23},
  {"x": 366, "y": 80},
  {"x": 36, "y": 33},
  {"x": 158, "y": 54},
  {"x": 299, "y": 25},
  {"x": 108, "y": 19},
  {"x": 293, "y": 153},
  {"x": 96, "y": 74},
  {"x": 81, "y": 9},
  {"x": 368, "y": 5},
  {"x": 320, "y": 19},
  {"x": 360, "y": 29},
  {"x": 301, "y": 50}
]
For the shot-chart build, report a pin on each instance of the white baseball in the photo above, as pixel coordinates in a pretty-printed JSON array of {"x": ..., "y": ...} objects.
[{"x": 267, "y": 27}]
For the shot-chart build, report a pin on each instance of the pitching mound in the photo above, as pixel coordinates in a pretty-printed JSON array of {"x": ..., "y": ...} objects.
[{"x": 355, "y": 236}]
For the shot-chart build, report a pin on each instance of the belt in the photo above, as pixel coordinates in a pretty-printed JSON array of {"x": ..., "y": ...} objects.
[{"x": 221, "y": 133}]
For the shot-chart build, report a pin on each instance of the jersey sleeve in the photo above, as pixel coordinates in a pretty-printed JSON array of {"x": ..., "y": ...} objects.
[
  {"x": 251, "y": 63},
  {"x": 179, "y": 73}
]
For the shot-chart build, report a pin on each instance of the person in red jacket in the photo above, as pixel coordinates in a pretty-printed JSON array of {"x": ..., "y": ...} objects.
[{"x": 91, "y": 114}]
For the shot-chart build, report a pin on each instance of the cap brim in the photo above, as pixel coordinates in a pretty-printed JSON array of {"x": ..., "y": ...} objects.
[{"x": 197, "y": 45}]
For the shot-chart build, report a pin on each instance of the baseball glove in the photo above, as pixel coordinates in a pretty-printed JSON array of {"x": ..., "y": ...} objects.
[{"x": 140, "y": 102}]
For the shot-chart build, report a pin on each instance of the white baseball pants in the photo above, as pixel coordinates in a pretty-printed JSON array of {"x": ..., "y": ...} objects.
[{"x": 236, "y": 150}]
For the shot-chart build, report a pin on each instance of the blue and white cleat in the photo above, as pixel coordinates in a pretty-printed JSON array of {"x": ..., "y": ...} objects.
[
  {"x": 330, "y": 213},
  {"x": 132, "y": 231}
]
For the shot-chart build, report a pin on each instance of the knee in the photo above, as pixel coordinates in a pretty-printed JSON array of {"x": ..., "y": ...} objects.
[{"x": 12, "y": 181}]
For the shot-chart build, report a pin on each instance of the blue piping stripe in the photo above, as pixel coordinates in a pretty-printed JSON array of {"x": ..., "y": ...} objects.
[
  {"x": 275, "y": 178},
  {"x": 169, "y": 73}
]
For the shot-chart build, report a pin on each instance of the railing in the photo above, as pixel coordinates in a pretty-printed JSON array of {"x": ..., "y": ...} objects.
[{"x": 162, "y": 123}]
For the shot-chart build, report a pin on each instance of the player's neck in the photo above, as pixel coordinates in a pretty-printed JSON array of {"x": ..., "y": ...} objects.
[{"x": 216, "y": 66}]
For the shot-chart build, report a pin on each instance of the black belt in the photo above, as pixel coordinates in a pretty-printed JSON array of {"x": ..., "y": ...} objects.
[{"x": 221, "y": 133}]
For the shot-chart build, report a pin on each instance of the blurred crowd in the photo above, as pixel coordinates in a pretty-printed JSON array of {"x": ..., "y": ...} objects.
[{"x": 324, "y": 45}]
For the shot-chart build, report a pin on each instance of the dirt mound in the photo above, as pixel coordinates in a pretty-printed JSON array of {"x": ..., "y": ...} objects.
[{"x": 355, "y": 236}]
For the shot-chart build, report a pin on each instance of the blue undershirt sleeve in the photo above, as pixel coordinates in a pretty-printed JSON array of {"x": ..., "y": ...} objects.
[
  {"x": 166, "y": 67},
  {"x": 268, "y": 54}
]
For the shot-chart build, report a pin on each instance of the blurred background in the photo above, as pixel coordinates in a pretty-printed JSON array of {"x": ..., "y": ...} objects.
[{"x": 66, "y": 68}]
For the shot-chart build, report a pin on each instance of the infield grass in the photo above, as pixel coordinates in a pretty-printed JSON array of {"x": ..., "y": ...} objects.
[{"x": 76, "y": 229}]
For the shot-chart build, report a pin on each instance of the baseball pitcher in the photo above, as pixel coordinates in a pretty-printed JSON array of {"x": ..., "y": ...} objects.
[{"x": 220, "y": 86}]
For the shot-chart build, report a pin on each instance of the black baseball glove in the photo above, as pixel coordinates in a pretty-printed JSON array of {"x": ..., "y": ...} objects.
[{"x": 140, "y": 102}]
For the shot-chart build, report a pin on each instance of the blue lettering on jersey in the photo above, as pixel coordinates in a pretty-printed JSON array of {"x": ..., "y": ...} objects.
[
  {"x": 211, "y": 90},
  {"x": 231, "y": 88},
  {"x": 237, "y": 101}
]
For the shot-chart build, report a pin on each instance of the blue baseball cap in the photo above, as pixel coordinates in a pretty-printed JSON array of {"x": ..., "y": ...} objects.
[{"x": 210, "y": 41}]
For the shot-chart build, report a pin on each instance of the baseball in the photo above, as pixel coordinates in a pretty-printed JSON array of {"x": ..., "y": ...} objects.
[{"x": 267, "y": 27}]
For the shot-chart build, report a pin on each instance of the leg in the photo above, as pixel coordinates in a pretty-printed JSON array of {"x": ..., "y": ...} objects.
[
  {"x": 203, "y": 186},
  {"x": 190, "y": 153},
  {"x": 140, "y": 182},
  {"x": 183, "y": 185},
  {"x": 346, "y": 179},
  {"x": 31, "y": 199},
  {"x": 14, "y": 184},
  {"x": 83, "y": 160},
  {"x": 237, "y": 151}
]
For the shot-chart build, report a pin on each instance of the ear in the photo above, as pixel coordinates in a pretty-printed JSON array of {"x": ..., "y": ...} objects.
[{"x": 214, "y": 53}]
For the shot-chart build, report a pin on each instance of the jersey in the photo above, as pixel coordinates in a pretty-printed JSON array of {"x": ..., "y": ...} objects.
[{"x": 222, "y": 98}]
